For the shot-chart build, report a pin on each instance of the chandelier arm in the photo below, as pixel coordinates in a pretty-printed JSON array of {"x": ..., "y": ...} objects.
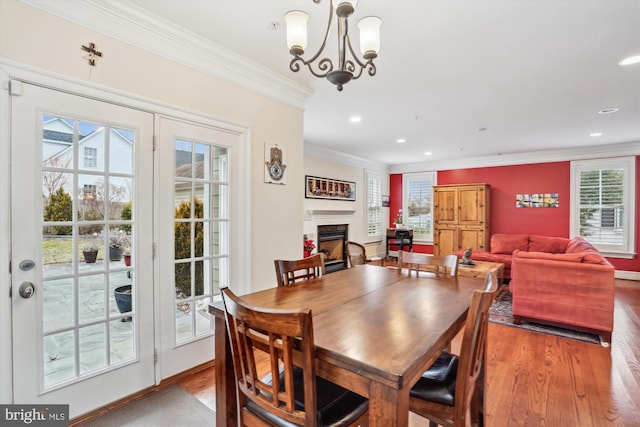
[
  {"x": 326, "y": 36},
  {"x": 325, "y": 66},
  {"x": 353, "y": 54}
]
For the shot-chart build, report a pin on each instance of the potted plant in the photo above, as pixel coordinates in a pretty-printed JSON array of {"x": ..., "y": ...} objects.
[
  {"x": 123, "y": 295},
  {"x": 308, "y": 246},
  {"x": 118, "y": 240},
  {"x": 90, "y": 250},
  {"x": 398, "y": 221}
]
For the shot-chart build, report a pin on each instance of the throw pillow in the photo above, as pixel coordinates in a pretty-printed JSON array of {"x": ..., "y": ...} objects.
[
  {"x": 507, "y": 243},
  {"x": 554, "y": 245}
]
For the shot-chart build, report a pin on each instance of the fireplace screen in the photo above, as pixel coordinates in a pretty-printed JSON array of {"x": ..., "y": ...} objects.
[{"x": 331, "y": 242}]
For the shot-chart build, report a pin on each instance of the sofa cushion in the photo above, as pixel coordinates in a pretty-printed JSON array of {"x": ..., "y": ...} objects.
[
  {"x": 554, "y": 245},
  {"x": 507, "y": 243},
  {"x": 577, "y": 257},
  {"x": 593, "y": 257}
]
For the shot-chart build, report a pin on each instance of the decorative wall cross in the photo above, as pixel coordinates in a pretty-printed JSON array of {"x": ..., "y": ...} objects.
[{"x": 92, "y": 53}]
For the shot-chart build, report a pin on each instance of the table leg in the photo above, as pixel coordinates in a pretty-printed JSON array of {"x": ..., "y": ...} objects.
[
  {"x": 388, "y": 407},
  {"x": 226, "y": 403}
]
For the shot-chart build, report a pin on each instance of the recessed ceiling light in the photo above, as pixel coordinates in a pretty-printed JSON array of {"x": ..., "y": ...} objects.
[
  {"x": 594, "y": 134},
  {"x": 428, "y": 153},
  {"x": 630, "y": 60},
  {"x": 355, "y": 119},
  {"x": 608, "y": 110},
  {"x": 401, "y": 140}
]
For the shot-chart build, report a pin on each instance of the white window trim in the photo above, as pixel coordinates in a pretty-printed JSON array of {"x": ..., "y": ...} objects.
[
  {"x": 422, "y": 176},
  {"x": 380, "y": 177},
  {"x": 628, "y": 163}
]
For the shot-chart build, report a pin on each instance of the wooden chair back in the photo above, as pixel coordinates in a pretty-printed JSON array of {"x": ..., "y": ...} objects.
[
  {"x": 470, "y": 365},
  {"x": 288, "y": 272},
  {"x": 447, "y": 264},
  {"x": 356, "y": 253},
  {"x": 282, "y": 336}
]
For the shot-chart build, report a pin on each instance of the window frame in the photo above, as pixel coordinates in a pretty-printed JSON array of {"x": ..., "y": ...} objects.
[
  {"x": 412, "y": 177},
  {"x": 369, "y": 176},
  {"x": 627, "y": 164}
]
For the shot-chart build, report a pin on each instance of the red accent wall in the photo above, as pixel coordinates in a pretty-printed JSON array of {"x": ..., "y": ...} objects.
[{"x": 506, "y": 182}]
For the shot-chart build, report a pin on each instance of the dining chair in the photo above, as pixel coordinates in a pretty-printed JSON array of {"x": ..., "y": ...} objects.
[
  {"x": 449, "y": 389},
  {"x": 288, "y": 272},
  {"x": 447, "y": 264},
  {"x": 290, "y": 392},
  {"x": 357, "y": 254}
]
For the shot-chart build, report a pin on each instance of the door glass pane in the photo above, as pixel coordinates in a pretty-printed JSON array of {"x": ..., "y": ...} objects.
[
  {"x": 201, "y": 206},
  {"x": 86, "y": 228}
]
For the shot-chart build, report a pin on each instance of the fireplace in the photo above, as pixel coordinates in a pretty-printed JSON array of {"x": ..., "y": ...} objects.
[{"x": 332, "y": 243}]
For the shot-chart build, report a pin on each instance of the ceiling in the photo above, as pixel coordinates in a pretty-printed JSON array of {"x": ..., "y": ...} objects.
[{"x": 459, "y": 79}]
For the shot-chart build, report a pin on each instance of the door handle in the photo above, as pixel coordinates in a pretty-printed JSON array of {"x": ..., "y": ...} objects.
[{"x": 26, "y": 290}]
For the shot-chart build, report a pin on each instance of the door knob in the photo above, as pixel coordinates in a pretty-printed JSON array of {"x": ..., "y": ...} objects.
[{"x": 26, "y": 290}]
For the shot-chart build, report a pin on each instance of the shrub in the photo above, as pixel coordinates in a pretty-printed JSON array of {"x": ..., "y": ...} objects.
[
  {"x": 59, "y": 208},
  {"x": 126, "y": 215},
  {"x": 182, "y": 241}
]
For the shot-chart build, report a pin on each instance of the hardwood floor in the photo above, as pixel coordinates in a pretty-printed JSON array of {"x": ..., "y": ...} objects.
[{"x": 538, "y": 380}]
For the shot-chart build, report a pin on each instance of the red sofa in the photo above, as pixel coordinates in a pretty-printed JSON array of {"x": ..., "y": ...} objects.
[{"x": 557, "y": 281}]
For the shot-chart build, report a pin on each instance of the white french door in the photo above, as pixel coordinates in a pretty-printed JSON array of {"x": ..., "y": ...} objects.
[
  {"x": 193, "y": 228},
  {"x": 82, "y": 177}
]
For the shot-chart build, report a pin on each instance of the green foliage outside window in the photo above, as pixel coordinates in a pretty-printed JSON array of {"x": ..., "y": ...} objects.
[
  {"x": 183, "y": 248},
  {"x": 59, "y": 208}
]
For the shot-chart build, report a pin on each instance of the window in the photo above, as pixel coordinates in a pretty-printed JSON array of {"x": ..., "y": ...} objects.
[
  {"x": 90, "y": 157},
  {"x": 417, "y": 206},
  {"x": 374, "y": 205},
  {"x": 602, "y": 204}
]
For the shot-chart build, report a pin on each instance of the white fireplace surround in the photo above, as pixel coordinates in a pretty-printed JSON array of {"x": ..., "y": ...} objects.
[{"x": 317, "y": 217}]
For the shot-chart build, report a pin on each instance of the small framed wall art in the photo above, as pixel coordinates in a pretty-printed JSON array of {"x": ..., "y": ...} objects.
[
  {"x": 327, "y": 188},
  {"x": 275, "y": 164},
  {"x": 538, "y": 200}
]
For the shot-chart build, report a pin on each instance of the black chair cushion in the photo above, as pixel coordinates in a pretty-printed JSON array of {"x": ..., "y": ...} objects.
[
  {"x": 337, "y": 406},
  {"x": 438, "y": 383}
]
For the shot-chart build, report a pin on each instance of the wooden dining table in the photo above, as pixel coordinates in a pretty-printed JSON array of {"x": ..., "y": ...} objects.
[{"x": 376, "y": 331}]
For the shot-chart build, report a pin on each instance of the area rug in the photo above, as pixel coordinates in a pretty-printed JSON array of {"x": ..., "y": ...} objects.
[
  {"x": 172, "y": 407},
  {"x": 500, "y": 312}
]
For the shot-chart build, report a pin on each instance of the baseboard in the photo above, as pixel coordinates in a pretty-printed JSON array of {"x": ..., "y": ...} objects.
[{"x": 627, "y": 275}]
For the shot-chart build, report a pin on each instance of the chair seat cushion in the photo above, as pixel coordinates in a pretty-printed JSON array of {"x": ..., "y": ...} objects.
[
  {"x": 438, "y": 383},
  {"x": 337, "y": 406}
]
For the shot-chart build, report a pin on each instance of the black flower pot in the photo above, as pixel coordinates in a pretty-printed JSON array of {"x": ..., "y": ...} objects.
[
  {"x": 115, "y": 254},
  {"x": 123, "y": 298},
  {"x": 90, "y": 256}
]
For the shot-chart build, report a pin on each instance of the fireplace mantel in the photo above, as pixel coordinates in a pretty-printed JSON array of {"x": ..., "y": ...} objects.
[{"x": 330, "y": 212}]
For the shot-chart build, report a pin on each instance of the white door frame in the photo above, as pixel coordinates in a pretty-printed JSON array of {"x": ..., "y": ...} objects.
[{"x": 240, "y": 248}]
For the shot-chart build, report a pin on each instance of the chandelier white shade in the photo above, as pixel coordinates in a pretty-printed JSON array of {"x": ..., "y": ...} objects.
[{"x": 349, "y": 66}]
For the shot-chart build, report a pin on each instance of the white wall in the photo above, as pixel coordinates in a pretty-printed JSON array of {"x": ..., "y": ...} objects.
[{"x": 321, "y": 162}]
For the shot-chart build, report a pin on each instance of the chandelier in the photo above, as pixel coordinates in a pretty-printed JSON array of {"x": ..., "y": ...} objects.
[{"x": 347, "y": 69}]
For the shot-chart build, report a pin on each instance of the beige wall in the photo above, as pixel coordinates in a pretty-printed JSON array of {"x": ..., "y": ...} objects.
[{"x": 35, "y": 38}]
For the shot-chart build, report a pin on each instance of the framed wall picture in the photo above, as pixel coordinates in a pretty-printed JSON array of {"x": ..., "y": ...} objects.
[
  {"x": 385, "y": 201},
  {"x": 327, "y": 188},
  {"x": 275, "y": 164}
]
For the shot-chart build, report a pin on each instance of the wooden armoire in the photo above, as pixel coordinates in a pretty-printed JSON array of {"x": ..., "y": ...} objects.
[{"x": 460, "y": 218}]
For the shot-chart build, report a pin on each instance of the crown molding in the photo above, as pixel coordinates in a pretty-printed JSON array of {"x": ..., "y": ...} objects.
[
  {"x": 124, "y": 21},
  {"x": 561, "y": 155},
  {"x": 340, "y": 157}
]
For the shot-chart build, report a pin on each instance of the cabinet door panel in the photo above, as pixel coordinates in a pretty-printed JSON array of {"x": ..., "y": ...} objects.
[
  {"x": 446, "y": 207},
  {"x": 446, "y": 241},
  {"x": 471, "y": 205},
  {"x": 472, "y": 238}
]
